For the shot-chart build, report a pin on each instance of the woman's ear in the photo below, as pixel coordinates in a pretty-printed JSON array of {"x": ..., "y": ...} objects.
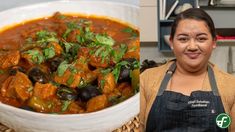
[
  {"x": 214, "y": 44},
  {"x": 171, "y": 43}
]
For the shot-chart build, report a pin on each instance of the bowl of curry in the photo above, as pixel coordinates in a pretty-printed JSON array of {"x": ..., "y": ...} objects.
[{"x": 69, "y": 66}]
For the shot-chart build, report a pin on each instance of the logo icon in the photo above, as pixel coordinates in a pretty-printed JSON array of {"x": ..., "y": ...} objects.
[{"x": 223, "y": 120}]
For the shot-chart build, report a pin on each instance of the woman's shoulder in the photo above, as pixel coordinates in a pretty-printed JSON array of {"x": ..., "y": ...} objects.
[
  {"x": 224, "y": 77},
  {"x": 151, "y": 78},
  {"x": 155, "y": 71},
  {"x": 226, "y": 86}
]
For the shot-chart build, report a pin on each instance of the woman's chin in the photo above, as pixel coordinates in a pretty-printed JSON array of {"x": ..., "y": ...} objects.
[{"x": 194, "y": 64}]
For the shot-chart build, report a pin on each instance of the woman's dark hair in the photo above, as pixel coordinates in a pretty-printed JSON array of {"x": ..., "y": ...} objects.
[{"x": 196, "y": 14}]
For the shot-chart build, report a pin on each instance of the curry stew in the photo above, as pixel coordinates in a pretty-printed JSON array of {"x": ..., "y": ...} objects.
[{"x": 67, "y": 64}]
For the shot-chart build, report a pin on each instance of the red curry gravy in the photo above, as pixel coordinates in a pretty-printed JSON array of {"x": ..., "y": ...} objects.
[{"x": 68, "y": 64}]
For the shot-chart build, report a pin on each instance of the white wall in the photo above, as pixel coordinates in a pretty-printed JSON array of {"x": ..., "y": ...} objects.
[{"x": 148, "y": 20}]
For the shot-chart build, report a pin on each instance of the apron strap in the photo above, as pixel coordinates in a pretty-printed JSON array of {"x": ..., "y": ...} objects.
[
  {"x": 213, "y": 81},
  {"x": 166, "y": 79},
  {"x": 170, "y": 72}
]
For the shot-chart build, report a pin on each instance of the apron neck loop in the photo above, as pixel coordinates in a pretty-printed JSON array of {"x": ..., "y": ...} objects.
[
  {"x": 212, "y": 81},
  {"x": 170, "y": 72},
  {"x": 166, "y": 78},
  {"x": 171, "y": 69}
]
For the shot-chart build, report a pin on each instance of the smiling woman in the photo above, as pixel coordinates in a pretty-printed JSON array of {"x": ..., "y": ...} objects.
[{"x": 188, "y": 93}]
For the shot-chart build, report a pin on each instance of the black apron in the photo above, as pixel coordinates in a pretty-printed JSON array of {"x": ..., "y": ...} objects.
[{"x": 175, "y": 112}]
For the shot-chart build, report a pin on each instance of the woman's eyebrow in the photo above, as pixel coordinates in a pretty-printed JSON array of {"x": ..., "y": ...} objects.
[
  {"x": 202, "y": 34},
  {"x": 182, "y": 34}
]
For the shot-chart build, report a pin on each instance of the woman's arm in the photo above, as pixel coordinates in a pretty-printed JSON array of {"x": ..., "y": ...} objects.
[
  {"x": 142, "y": 103},
  {"x": 232, "y": 114}
]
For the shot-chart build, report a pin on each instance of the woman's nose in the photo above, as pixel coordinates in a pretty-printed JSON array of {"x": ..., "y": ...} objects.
[{"x": 192, "y": 45}]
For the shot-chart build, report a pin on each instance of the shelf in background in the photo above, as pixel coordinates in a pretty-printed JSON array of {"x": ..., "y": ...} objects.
[
  {"x": 167, "y": 20},
  {"x": 218, "y": 7},
  {"x": 226, "y": 41},
  {"x": 164, "y": 25}
]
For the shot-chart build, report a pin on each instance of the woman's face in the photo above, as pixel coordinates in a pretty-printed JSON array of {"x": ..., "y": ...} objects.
[{"x": 192, "y": 44}]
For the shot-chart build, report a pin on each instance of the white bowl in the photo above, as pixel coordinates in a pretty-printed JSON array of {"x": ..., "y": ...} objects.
[{"x": 101, "y": 121}]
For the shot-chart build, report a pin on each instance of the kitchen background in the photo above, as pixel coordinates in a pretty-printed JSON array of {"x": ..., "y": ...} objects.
[{"x": 222, "y": 15}]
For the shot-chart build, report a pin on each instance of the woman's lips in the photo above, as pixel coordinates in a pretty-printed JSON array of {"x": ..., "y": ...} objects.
[{"x": 192, "y": 55}]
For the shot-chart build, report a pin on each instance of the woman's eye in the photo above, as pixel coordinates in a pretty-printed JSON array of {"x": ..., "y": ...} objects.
[
  {"x": 183, "y": 39},
  {"x": 202, "y": 39}
]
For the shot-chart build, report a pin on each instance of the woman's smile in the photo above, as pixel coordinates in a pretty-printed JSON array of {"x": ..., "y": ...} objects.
[{"x": 192, "y": 55}]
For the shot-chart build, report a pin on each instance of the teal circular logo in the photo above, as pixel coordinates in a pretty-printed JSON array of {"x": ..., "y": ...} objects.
[{"x": 223, "y": 120}]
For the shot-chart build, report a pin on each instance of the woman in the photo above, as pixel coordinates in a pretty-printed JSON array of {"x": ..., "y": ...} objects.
[{"x": 188, "y": 93}]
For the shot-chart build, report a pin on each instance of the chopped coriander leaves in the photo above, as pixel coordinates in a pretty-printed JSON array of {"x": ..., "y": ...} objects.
[
  {"x": 70, "y": 80},
  {"x": 36, "y": 56},
  {"x": 61, "y": 17},
  {"x": 74, "y": 50},
  {"x": 65, "y": 105},
  {"x": 70, "y": 27},
  {"x": 113, "y": 99},
  {"x": 49, "y": 52},
  {"x": 82, "y": 60},
  {"x": 85, "y": 22},
  {"x": 50, "y": 105},
  {"x": 127, "y": 30},
  {"x": 88, "y": 35},
  {"x": 117, "y": 68},
  {"x": 80, "y": 39},
  {"x": 132, "y": 49},
  {"x": 68, "y": 46},
  {"x": 30, "y": 89},
  {"x": 66, "y": 33},
  {"x": 116, "y": 72},
  {"x": 116, "y": 99},
  {"x": 29, "y": 40},
  {"x": 99, "y": 50},
  {"x": 134, "y": 34},
  {"x": 65, "y": 90},
  {"x": 62, "y": 68},
  {"x": 1, "y": 71},
  {"x": 105, "y": 71},
  {"x": 44, "y": 36},
  {"x": 70, "y": 50},
  {"x": 73, "y": 70},
  {"x": 91, "y": 52},
  {"x": 118, "y": 54},
  {"x": 102, "y": 83},
  {"x": 104, "y": 52},
  {"x": 104, "y": 39},
  {"x": 130, "y": 31},
  {"x": 136, "y": 64},
  {"x": 54, "y": 83},
  {"x": 82, "y": 83}
]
